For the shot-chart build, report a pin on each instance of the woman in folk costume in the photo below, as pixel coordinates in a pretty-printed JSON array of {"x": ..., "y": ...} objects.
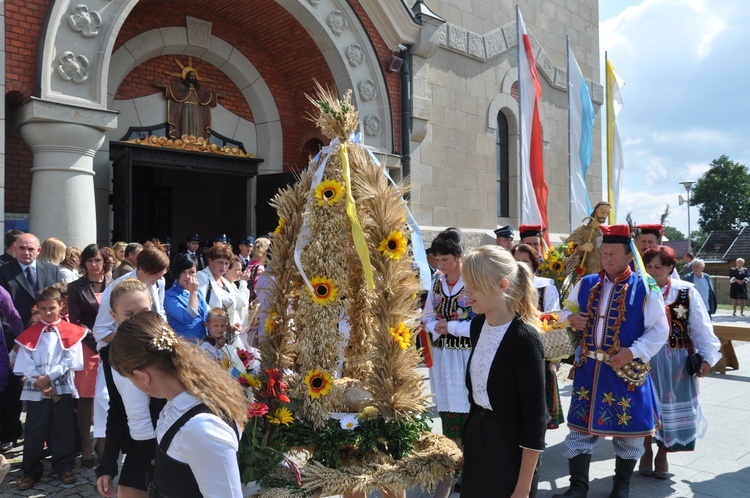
[
  {"x": 447, "y": 315},
  {"x": 676, "y": 390},
  {"x": 549, "y": 300}
]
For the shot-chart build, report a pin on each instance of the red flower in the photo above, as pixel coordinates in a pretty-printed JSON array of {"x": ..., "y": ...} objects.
[
  {"x": 579, "y": 270},
  {"x": 245, "y": 356},
  {"x": 275, "y": 387},
  {"x": 256, "y": 410}
]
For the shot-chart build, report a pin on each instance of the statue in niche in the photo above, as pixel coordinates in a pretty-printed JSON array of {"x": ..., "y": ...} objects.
[{"x": 188, "y": 105}]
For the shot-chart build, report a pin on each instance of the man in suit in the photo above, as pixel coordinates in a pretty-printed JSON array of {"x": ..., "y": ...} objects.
[
  {"x": 10, "y": 241},
  {"x": 129, "y": 260},
  {"x": 22, "y": 278},
  {"x": 193, "y": 250},
  {"x": 246, "y": 249}
]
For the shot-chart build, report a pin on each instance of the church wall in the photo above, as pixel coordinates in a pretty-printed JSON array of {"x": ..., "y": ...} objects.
[
  {"x": 23, "y": 25},
  {"x": 286, "y": 84},
  {"x": 454, "y": 168}
]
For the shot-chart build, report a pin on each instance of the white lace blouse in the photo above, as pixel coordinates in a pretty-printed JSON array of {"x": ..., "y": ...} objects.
[{"x": 481, "y": 361}]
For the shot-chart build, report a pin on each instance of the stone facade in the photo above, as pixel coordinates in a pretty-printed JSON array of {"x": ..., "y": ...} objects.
[
  {"x": 92, "y": 75},
  {"x": 460, "y": 90}
]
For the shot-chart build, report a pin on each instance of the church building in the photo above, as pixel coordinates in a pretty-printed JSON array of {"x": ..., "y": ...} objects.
[{"x": 133, "y": 119}]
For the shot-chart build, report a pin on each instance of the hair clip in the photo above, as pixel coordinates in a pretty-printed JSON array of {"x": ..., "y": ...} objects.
[{"x": 166, "y": 341}]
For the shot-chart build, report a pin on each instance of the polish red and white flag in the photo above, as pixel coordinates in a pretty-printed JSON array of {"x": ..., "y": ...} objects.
[{"x": 533, "y": 187}]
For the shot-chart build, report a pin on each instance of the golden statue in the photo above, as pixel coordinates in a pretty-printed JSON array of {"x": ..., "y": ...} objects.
[
  {"x": 188, "y": 105},
  {"x": 587, "y": 239}
]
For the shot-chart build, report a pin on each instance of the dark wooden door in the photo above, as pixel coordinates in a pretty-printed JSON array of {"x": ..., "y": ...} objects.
[
  {"x": 122, "y": 196},
  {"x": 268, "y": 185}
]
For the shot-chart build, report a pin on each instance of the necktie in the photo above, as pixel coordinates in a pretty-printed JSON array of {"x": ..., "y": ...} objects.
[{"x": 31, "y": 278}]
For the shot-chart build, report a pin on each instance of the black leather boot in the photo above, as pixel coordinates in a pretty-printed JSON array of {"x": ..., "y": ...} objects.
[
  {"x": 623, "y": 472},
  {"x": 579, "y": 477}
]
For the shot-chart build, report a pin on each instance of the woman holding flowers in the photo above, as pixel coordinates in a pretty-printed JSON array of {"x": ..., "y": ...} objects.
[
  {"x": 446, "y": 317},
  {"x": 676, "y": 390},
  {"x": 549, "y": 300},
  {"x": 197, "y": 431},
  {"x": 504, "y": 433}
]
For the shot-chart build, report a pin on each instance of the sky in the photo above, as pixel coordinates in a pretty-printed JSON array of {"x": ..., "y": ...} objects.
[{"x": 686, "y": 96}]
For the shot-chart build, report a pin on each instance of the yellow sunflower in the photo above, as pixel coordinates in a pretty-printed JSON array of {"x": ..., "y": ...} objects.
[
  {"x": 570, "y": 248},
  {"x": 393, "y": 246},
  {"x": 268, "y": 327},
  {"x": 282, "y": 415},
  {"x": 401, "y": 335},
  {"x": 557, "y": 265},
  {"x": 329, "y": 192},
  {"x": 319, "y": 383},
  {"x": 325, "y": 290},
  {"x": 280, "y": 226}
]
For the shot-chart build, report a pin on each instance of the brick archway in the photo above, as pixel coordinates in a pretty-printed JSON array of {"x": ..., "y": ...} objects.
[{"x": 76, "y": 56}]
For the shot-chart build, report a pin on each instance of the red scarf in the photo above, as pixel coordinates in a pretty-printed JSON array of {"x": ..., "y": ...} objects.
[{"x": 70, "y": 334}]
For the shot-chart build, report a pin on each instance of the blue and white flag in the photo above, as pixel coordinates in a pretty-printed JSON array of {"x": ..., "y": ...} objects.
[{"x": 581, "y": 123}]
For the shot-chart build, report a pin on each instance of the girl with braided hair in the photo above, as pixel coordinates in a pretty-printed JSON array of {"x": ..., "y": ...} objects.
[{"x": 197, "y": 431}]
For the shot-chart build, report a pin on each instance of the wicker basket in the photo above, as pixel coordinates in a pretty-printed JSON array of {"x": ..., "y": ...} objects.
[{"x": 558, "y": 343}]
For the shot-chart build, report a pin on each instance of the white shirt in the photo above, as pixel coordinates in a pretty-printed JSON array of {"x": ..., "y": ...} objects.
[
  {"x": 49, "y": 358},
  {"x": 458, "y": 328},
  {"x": 105, "y": 324},
  {"x": 219, "y": 297},
  {"x": 207, "y": 444},
  {"x": 699, "y": 322},
  {"x": 551, "y": 296},
  {"x": 655, "y": 324},
  {"x": 481, "y": 361}
]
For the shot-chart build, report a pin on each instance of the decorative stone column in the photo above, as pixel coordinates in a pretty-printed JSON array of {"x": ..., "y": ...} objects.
[{"x": 64, "y": 139}]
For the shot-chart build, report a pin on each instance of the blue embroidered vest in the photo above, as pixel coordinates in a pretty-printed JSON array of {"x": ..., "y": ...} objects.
[{"x": 602, "y": 403}]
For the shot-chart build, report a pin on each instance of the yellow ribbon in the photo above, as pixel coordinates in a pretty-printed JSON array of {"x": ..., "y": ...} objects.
[{"x": 360, "y": 244}]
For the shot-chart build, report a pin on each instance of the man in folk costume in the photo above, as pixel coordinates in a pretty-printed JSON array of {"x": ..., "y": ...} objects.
[
  {"x": 647, "y": 236},
  {"x": 623, "y": 326},
  {"x": 531, "y": 235}
]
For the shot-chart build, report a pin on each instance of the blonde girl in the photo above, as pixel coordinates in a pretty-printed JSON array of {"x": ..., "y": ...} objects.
[
  {"x": 197, "y": 431},
  {"x": 507, "y": 419},
  {"x": 131, "y": 417}
]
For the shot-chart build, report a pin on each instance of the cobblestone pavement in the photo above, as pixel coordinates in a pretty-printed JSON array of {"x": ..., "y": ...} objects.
[{"x": 719, "y": 467}]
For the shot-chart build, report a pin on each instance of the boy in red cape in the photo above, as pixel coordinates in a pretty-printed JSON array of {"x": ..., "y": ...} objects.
[{"x": 49, "y": 354}]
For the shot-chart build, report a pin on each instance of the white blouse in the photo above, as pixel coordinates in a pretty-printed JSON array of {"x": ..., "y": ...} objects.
[
  {"x": 481, "y": 361},
  {"x": 207, "y": 444}
]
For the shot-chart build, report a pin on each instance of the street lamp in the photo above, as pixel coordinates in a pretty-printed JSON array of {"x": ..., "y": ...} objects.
[{"x": 688, "y": 184}]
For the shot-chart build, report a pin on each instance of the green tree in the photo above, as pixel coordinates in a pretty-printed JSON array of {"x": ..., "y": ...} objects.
[
  {"x": 672, "y": 233},
  {"x": 723, "y": 196}
]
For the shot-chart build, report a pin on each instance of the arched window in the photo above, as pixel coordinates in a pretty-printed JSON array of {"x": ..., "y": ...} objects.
[{"x": 503, "y": 167}]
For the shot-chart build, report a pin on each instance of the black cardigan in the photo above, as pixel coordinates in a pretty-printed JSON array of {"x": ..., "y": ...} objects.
[{"x": 515, "y": 385}]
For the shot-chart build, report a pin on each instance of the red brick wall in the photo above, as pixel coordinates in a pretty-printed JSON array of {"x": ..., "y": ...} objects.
[
  {"x": 392, "y": 80},
  {"x": 280, "y": 49},
  {"x": 140, "y": 82}
]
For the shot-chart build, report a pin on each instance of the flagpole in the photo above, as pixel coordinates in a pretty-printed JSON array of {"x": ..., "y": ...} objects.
[
  {"x": 608, "y": 110},
  {"x": 519, "y": 42},
  {"x": 570, "y": 152}
]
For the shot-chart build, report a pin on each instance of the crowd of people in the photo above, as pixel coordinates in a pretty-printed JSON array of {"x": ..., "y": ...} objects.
[
  {"x": 124, "y": 342},
  {"x": 644, "y": 340},
  {"x": 155, "y": 390}
]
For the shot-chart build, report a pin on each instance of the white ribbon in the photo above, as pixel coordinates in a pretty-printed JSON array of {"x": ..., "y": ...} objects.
[
  {"x": 304, "y": 233},
  {"x": 417, "y": 242}
]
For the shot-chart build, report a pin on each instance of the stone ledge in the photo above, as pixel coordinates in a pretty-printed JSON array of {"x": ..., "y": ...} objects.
[{"x": 499, "y": 41}]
